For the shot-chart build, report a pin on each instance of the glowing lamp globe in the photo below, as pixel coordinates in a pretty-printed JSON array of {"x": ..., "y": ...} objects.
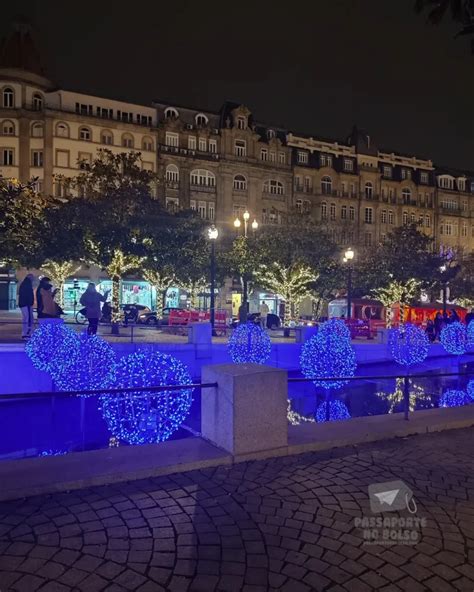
[
  {"x": 454, "y": 398},
  {"x": 89, "y": 367},
  {"x": 51, "y": 346},
  {"x": 337, "y": 411},
  {"x": 249, "y": 343},
  {"x": 454, "y": 338},
  {"x": 329, "y": 354},
  {"x": 146, "y": 417},
  {"x": 409, "y": 345}
]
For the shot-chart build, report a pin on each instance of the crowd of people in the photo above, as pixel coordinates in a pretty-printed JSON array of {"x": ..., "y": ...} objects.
[{"x": 441, "y": 320}]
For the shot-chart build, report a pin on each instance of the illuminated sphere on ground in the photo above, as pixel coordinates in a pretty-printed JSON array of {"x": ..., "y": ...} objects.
[
  {"x": 470, "y": 389},
  {"x": 50, "y": 345},
  {"x": 409, "y": 345},
  {"x": 470, "y": 334},
  {"x": 147, "y": 417},
  {"x": 337, "y": 411},
  {"x": 454, "y": 398},
  {"x": 328, "y": 354},
  {"x": 249, "y": 343},
  {"x": 454, "y": 338},
  {"x": 90, "y": 367}
]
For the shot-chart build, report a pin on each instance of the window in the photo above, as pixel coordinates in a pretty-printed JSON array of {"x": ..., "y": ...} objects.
[
  {"x": 172, "y": 204},
  {"x": 211, "y": 211},
  {"x": 8, "y": 157},
  {"x": 351, "y": 213},
  {"x": 37, "y": 158},
  {"x": 369, "y": 215},
  {"x": 446, "y": 182},
  {"x": 343, "y": 212},
  {"x": 37, "y": 102},
  {"x": 302, "y": 157},
  {"x": 172, "y": 139},
  {"x": 172, "y": 174},
  {"x": 406, "y": 173},
  {"x": 240, "y": 148},
  {"x": 37, "y": 129},
  {"x": 241, "y": 122},
  {"x": 368, "y": 239},
  {"x": 461, "y": 184},
  {"x": 353, "y": 191},
  {"x": 391, "y": 219},
  {"x": 332, "y": 211},
  {"x": 213, "y": 146},
  {"x": 201, "y": 120},
  {"x": 171, "y": 113},
  {"x": 449, "y": 204},
  {"x": 446, "y": 228},
  {"x": 420, "y": 220},
  {"x": 405, "y": 218},
  {"x": 202, "y": 209},
  {"x": 383, "y": 217},
  {"x": 8, "y": 128},
  {"x": 427, "y": 221},
  {"x": 272, "y": 156},
  {"x": 202, "y": 145},
  {"x": 383, "y": 238},
  {"x": 60, "y": 188},
  {"x": 412, "y": 218},
  {"x": 326, "y": 185},
  {"x": 348, "y": 164},
  {"x": 423, "y": 177},
  {"x": 281, "y": 158},
  {"x": 62, "y": 158},
  {"x": 464, "y": 206},
  {"x": 307, "y": 184},
  {"x": 127, "y": 141},
  {"x": 62, "y": 130},
  {"x": 147, "y": 143},
  {"x": 303, "y": 205},
  {"x": 344, "y": 189},
  {"x": 263, "y": 154},
  {"x": 387, "y": 172},
  {"x": 472, "y": 186},
  {"x": 464, "y": 229},
  {"x": 271, "y": 134},
  {"x": 240, "y": 183},
  {"x": 85, "y": 134},
  {"x": 324, "y": 210},
  {"x": 406, "y": 195},
  {"x": 369, "y": 190},
  {"x": 106, "y": 137},
  {"x": 192, "y": 142},
  {"x": 192, "y": 204},
  {"x": 203, "y": 177},
  {"x": 83, "y": 159},
  {"x": 273, "y": 187},
  {"x": 8, "y": 97}
]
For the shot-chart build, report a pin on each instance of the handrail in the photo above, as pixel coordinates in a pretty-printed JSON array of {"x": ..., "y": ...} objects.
[{"x": 375, "y": 377}]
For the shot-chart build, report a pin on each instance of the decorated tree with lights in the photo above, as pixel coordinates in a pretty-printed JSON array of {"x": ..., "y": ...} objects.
[
  {"x": 161, "y": 280},
  {"x": 59, "y": 272},
  {"x": 402, "y": 292}
]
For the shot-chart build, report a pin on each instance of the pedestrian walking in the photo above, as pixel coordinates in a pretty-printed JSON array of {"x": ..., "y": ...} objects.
[
  {"x": 430, "y": 330},
  {"x": 91, "y": 301},
  {"x": 47, "y": 308},
  {"x": 26, "y": 298},
  {"x": 264, "y": 310}
]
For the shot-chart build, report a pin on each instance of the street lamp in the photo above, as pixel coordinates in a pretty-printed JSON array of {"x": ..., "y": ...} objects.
[
  {"x": 212, "y": 234},
  {"x": 443, "y": 268},
  {"x": 348, "y": 257},
  {"x": 237, "y": 224}
]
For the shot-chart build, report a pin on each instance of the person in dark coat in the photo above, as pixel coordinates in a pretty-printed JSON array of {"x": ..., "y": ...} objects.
[
  {"x": 438, "y": 324},
  {"x": 26, "y": 299},
  {"x": 454, "y": 317},
  {"x": 91, "y": 301}
]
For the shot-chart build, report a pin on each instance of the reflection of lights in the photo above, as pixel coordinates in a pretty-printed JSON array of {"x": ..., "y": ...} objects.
[
  {"x": 454, "y": 398},
  {"x": 295, "y": 418},
  {"x": 337, "y": 411},
  {"x": 52, "y": 453},
  {"x": 417, "y": 395}
]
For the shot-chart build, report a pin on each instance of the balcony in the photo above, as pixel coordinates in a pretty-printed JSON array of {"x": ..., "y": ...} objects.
[
  {"x": 203, "y": 188},
  {"x": 188, "y": 152},
  {"x": 269, "y": 195},
  {"x": 172, "y": 184}
]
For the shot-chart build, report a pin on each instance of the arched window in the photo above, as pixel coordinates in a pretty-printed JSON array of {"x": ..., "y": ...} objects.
[
  {"x": 62, "y": 130},
  {"x": 37, "y": 102},
  {"x": 203, "y": 177},
  {"x": 147, "y": 143},
  {"x": 326, "y": 185},
  {"x": 172, "y": 173},
  {"x": 324, "y": 210},
  {"x": 271, "y": 134},
  {"x": 85, "y": 134},
  {"x": 201, "y": 119},
  {"x": 369, "y": 190},
  {"x": 332, "y": 211},
  {"x": 405, "y": 217},
  {"x": 106, "y": 137},
  {"x": 240, "y": 183},
  {"x": 8, "y": 97},
  {"x": 127, "y": 141},
  {"x": 273, "y": 187},
  {"x": 406, "y": 195},
  {"x": 171, "y": 113},
  {"x": 37, "y": 129},
  {"x": 8, "y": 128}
]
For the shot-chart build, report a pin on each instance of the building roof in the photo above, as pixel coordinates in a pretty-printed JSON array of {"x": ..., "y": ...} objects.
[{"x": 18, "y": 49}]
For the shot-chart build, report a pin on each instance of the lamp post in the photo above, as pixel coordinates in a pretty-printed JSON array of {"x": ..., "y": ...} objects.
[
  {"x": 348, "y": 257},
  {"x": 237, "y": 224},
  {"x": 212, "y": 234},
  {"x": 443, "y": 268}
]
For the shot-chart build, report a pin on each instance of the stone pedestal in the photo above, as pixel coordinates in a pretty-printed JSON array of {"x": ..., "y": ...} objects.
[
  {"x": 246, "y": 412},
  {"x": 200, "y": 333},
  {"x": 303, "y": 334}
]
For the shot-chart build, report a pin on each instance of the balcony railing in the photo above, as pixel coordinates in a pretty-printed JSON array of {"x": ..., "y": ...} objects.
[
  {"x": 203, "y": 188},
  {"x": 172, "y": 184}
]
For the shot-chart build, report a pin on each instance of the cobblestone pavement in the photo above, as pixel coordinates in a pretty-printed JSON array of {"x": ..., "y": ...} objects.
[{"x": 285, "y": 524}]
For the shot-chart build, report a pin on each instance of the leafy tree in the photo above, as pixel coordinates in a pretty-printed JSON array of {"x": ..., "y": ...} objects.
[
  {"x": 59, "y": 272},
  {"x": 403, "y": 292}
]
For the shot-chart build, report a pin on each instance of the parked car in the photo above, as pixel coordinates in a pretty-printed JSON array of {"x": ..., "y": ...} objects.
[
  {"x": 273, "y": 320},
  {"x": 150, "y": 318},
  {"x": 133, "y": 312}
]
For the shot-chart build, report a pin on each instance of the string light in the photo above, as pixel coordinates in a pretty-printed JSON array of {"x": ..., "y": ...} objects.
[
  {"x": 409, "y": 345},
  {"x": 328, "y": 354},
  {"x": 470, "y": 334},
  {"x": 295, "y": 418},
  {"x": 50, "y": 345},
  {"x": 338, "y": 411},
  {"x": 147, "y": 417},
  {"x": 454, "y": 398},
  {"x": 249, "y": 343},
  {"x": 454, "y": 338},
  {"x": 90, "y": 366},
  {"x": 53, "y": 453},
  {"x": 417, "y": 396}
]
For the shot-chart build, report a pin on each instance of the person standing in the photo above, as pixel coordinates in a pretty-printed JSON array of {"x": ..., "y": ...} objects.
[
  {"x": 46, "y": 306},
  {"x": 26, "y": 299},
  {"x": 91, "y": 300},
  {"x": 264, "y": 310}
]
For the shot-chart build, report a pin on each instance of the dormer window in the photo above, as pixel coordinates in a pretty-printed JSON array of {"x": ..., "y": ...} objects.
[
  {"x": 302, "y": 157},
  {"x": 461, "y": 184},
  {"x": 271, "y": 134},
  {"x": 241, "y": 122},
  {"x": 171, "y": 113},
  {"x": 201, "y": 120},
  {"x": 424, "y": 177},
  {"x": 446, "y": 182}
]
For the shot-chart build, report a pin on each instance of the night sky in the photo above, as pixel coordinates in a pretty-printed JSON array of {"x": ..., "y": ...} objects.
[{"x": 313, "y": 66}]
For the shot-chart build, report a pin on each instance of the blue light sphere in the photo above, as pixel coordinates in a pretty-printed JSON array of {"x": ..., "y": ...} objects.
[
  {"x": 470, "y": 389},
  {"x": 89, "y": 367},
  {"x": 337, "y": 411},
  {"x": 470, "y": 334},
  {"x": 454, "y": 338},
  {"x": 51, "y": 345},
  {"x": 454, "y": 398},
  {"x": 409, "y": 344},
  {"x": 329, "y": 354},
  {"x": 147, "y": 417},
  {"x": 249, "y": 343}
]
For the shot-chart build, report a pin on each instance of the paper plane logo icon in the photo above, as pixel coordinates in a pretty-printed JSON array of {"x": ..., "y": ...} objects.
[{"x": 389, "y": 496}]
